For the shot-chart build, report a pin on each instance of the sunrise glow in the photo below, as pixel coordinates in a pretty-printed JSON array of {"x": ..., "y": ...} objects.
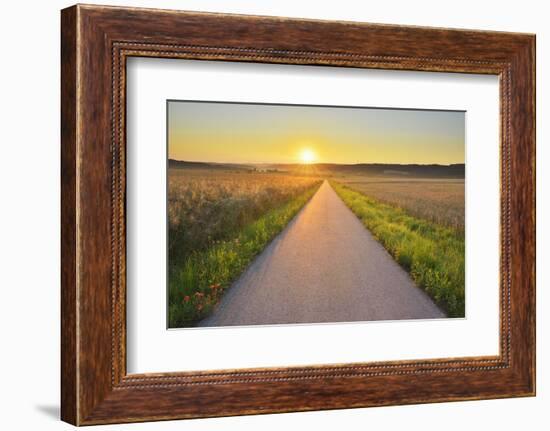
[{"x": 307, "y": 156}]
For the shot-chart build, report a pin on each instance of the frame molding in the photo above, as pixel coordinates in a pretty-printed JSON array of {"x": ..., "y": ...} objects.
[{"x": 96, "y": 41}]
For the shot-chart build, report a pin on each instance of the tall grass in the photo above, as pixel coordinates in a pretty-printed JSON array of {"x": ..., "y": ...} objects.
[
  {"x": 431, "y": 253},
  {"x": 205, "y": 206},
  {"x": 198, "y": 279}
]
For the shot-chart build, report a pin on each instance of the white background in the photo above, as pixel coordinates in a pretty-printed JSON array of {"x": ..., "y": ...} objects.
[
  {"x": 29, "y": 227},
  {"x": 153, "y": 349}
]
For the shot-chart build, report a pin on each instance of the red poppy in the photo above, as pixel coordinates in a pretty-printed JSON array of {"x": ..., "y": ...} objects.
[{"x": 186, "y": 298}]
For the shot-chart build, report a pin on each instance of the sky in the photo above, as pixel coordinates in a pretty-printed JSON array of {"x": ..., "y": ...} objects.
[{"x": 258, "y": 133}]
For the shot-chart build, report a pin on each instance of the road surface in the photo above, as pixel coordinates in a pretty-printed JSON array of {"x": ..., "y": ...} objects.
[{"x": 325, "y": 266}]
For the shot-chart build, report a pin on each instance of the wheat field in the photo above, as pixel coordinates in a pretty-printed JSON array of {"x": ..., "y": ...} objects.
[
  {"x": 209, "y": 205},
  {"x": 438, "y": 200}
]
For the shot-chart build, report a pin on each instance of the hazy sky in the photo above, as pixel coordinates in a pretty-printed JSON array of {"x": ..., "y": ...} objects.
[{"x": 248, "y": 133}]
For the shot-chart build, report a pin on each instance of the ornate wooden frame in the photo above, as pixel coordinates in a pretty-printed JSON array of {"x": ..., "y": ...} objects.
[{"x": 95, "y": 43}]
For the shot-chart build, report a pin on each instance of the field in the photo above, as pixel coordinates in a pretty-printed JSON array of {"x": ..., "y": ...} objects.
[
  {"x": 438, "y": 200},
  {"x": 218, "y": 221},
  {"x": 421, "y": 224}
]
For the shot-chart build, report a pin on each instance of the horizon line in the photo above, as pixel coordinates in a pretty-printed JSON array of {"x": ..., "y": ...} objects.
[{"x": 317, "y": 163}]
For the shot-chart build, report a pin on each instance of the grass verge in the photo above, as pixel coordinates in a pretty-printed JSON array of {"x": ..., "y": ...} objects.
[
  {"x": 432, "y": 254},
  {"x": 198, "y": 284}
]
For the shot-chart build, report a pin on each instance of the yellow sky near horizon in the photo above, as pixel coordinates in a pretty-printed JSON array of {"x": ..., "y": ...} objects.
[{"x": 262, "y": 133}]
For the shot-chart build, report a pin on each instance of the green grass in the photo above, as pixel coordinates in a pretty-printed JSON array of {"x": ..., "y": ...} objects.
[
  {"x": 431, "y": 253},
  {"x": 198, "y": 284}
]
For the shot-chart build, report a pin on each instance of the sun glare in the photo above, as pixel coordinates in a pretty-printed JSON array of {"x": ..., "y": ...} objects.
[{"x": 307, "y": 156}]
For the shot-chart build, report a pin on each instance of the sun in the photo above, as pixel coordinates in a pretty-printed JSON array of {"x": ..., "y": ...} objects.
[{"x": 307, "y": 156}]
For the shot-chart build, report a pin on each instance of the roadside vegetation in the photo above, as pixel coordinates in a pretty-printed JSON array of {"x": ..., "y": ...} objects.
[
  {"x": 218, "y": 222},
  {"x": 432, "y": 253}
]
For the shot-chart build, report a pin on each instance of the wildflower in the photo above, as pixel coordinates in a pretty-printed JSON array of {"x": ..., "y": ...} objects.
[
  {"x": 199, "y": 294},
  {"x": 186, "y": 298},
  {"x": 199, "y": 307}
]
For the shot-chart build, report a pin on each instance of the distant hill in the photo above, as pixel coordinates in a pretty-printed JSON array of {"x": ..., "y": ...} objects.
[
  {"x": 182, "y": 164},
  {"x": 381, "y": 169},
  {"x": 372, "y": 169},
  {"x": 415, "y": 170}
]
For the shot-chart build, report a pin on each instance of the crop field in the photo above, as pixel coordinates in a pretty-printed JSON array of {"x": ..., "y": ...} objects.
[
  {"x": 438, "y": 200},
  {"x": 400, "y": 218},
  {"x": 218, "y": 221}
]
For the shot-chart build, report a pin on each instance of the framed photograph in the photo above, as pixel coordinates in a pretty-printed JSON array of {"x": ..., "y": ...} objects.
[{"x": 264, "y": 215}]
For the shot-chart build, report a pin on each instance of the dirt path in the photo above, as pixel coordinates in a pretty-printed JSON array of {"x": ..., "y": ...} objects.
[{"x": 324, "y": 267}]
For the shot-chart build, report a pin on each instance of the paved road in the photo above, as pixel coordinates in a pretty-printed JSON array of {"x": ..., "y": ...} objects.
[{"x": 324, "y": 267}]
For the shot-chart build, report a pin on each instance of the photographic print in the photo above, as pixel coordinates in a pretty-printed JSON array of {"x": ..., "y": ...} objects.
[{"x": 292, "y": 214}]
